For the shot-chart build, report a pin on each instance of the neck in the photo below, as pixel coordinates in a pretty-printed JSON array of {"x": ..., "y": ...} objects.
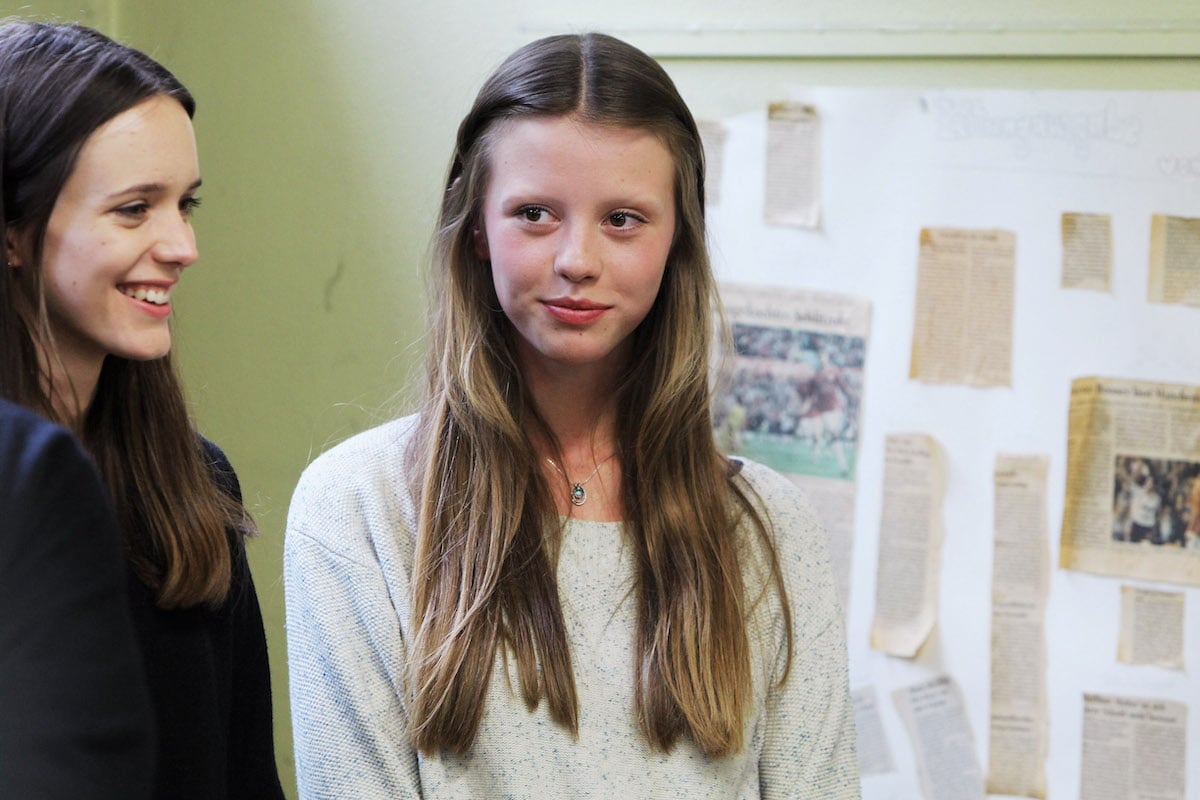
[
  {"x": 70, "y": 384},
  {"x": 579, "y": 409},
  {"x": 584, "y": 432}
]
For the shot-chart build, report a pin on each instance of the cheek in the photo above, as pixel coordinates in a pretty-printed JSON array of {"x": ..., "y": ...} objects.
[
  {"x": 66, "y": 256},
  {"x": 514, "y": 263},
  {"x": 506, "y": 285},
  {"x": 502, "y": 245},
  {"x": 650, "y": 294},
  {"x": 58, "y": 271},
  {"x": 654, "y": 270}
]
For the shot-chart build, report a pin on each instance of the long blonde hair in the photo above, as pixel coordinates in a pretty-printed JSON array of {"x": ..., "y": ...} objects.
[{"x": 484, "y": 576}]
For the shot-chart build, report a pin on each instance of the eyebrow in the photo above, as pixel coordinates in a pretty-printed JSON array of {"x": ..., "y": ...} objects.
[{"x": 152, "y": 188}]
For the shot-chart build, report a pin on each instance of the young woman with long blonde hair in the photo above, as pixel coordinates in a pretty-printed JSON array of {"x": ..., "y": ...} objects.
[{"x": 548, "y": 582}]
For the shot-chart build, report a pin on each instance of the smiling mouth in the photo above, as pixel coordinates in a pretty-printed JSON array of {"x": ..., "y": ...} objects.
[{"x": 158, "y": 297}]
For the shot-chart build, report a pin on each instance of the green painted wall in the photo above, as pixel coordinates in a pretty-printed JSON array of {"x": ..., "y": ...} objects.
[{"x": 324, "y": 129}]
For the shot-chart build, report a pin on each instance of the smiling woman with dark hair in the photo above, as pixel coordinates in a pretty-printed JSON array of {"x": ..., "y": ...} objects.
[{"x": 99, "y": 176}]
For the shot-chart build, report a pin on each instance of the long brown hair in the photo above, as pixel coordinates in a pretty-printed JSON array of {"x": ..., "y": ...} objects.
[
  {"x": 484, "y": 575},
  {"x": 58, "y": 84}
]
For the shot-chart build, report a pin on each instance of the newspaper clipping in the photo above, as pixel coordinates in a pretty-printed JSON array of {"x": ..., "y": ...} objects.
[
  {"x": 1151, "y": 627},
  {"x": 1133, "y": 748},
  {"x": 713, "y": 135},
  {"x": 1087, "y": 251},
  {"x": 1017, "y": 743},
  {"x": 790, "y": 398},
  {"x": 936, "y": 719},
  {"x": 910, "y": 545},
  {"x": 793, "y": 189},
  {"x": 962, "y": 329},
  {"x": 1174, "y": 260},
  {"x": 1132, "y": 505},
  {"x": 874, "y": 755}
]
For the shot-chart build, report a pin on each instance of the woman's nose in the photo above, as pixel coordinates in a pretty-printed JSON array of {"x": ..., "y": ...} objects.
[
  {"x": 578, "y": 258},
  {"x": 177, "y": 244}
]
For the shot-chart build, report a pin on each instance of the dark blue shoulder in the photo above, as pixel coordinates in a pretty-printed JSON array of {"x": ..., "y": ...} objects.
[
  {"x": 35, "y": 453},
  {"x": 22, "y": 432}
]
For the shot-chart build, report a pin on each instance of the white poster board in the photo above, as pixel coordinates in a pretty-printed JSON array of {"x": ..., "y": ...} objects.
[{"x": 893, "y": 162}]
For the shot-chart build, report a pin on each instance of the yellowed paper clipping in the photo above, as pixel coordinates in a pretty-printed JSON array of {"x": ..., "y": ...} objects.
[
  {"x": 1134, "y": 748},
  {"x": 1087, "y": 251},
  {"x": 1174, "y": 260},
  {"x": 1018, "y": 739},
  {"x": 910, "y": 545},
  {"x": 792, "y": 395},
  {"x": 793, "y": 184},
  {"x": 1151, "y": 627},
  {"x": 962, "y": 330},
  {"x": 713, "y": 135},
  {"x": 1133, "y": 480}
]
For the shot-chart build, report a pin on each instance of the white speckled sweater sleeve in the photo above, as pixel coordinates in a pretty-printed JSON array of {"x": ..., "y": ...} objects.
[
  {"x": 808, "y": 728},
  {"x": 345, "y": 645}
]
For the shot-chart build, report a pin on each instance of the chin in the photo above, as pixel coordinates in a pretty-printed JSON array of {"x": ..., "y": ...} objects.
[{"x": 146, "y": 353}]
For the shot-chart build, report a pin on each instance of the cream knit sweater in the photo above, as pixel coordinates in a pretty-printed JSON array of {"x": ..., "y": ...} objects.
[{"x": 347, "y": 566}]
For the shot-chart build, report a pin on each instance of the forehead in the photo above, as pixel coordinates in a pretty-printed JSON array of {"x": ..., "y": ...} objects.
[
  {"x": 151, "y": 142},
  {"x": 567, "y": 148}
]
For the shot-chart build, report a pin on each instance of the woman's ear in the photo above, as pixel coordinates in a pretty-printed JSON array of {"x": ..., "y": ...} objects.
[
  {"x": 481, "y": 245},
  {"x": 12, "y": 246}
]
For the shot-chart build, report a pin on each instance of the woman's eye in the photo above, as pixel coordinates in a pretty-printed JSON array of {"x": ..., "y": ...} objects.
[
  {"x": 134, "y": 210},
  {"x": 532, "y": 214},
  {"x": 623, "y": 219},
  {"x": 189, "y": 205}
]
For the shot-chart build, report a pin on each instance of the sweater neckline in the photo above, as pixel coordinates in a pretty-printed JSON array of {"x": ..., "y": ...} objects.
[{"x": 588, "y": 524}]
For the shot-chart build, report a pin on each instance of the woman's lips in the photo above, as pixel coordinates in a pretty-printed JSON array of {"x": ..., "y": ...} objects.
[
  {"x": 574, "y": 312},
  {"x": 154, "y": 299}
]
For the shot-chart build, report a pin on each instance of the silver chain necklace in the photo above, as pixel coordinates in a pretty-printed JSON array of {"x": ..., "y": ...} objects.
[{"x": 578, "y": 494}]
